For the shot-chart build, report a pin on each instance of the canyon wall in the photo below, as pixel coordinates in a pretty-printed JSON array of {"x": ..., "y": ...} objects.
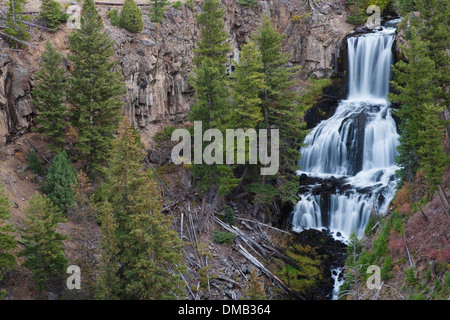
[{"x": 156, "y": 62}]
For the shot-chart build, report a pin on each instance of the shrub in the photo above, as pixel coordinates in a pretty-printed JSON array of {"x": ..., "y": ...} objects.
[
  {"x": 60, "y": 178},
  {"x": 177, "y": 5},
  {"x": 386, "y": 268},
  {"x": 113, "y": 16},
  {"x": 410, "y": 276},
  {"x": 248, "y": 3},
  {"x": 229, "y": 216},
  {"x": 131, "y": 17},
  {"x": 300, "y": 18},
  {"x": 190, "y": 4},
  {"x": 34, "y": 164},
  {"x": 223, "y": 236},
  {"x": 51, "y": 13},
  {"x": 165, "y": 134}
]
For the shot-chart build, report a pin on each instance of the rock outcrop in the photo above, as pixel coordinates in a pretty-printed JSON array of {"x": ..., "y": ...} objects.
[{"x": 156, "y": 62}]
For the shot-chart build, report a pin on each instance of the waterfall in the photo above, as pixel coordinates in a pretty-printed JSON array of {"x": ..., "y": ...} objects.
[{"x": 355, "y": 147}]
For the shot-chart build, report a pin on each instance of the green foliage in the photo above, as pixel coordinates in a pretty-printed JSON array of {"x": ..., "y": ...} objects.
[
  {"x": 13, "y": 25},
  {"x": 8, "y": 242},
  {"x": 248, "y": 3},
  {"x": 114, "y": 17},
  {"x": 223, "y": 237},
  {"x": 44, "y": 249},
  {"x": 189, "y": 4},
  {"x": 177, "y": 5},
  {"x": 95, "y": 88},
  {"x": 411, "y": 276},
  {"x": 51, "y": 13},
  {"x": 281, "y": 109},
  {"x": 404, "y": 7},
  {"x": 255, "y": 289},
  {"x": 303, "y": 271},
  {"x": 60, "y": 178},
  {"x": 48, "y": 98},
  {"x": 369, "y": 226},
  {"x": 157, "y": 9},
  {"x": 135, "y": 231},
  {"x": 34, "y": 164},
  {"x": 247, "y": 88},
  {"x": 229, "y": 216},
  {"x": 212, "y": 34},
  {"x": 419, "y": 86},
  {"x": 165, "y": 134},
  {"x": 386, "y": 268},
  {"x": 358, "y": 8},
  {"x": 131, "y": 17}
]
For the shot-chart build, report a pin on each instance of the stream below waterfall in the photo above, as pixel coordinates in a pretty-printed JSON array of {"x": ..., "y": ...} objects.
[{"x": 353, "y": 152}]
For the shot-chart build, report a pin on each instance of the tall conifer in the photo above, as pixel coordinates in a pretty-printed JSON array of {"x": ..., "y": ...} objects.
[
  {"x": 95, "y": 88},
  {"x": 48, "y": 98},
  {"x": 7, "y": 240},
  {"x": 148, "y": 252}
]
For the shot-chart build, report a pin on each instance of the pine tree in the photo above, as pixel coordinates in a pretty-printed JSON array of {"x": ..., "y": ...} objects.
[
  {"x": 209, "y": 78},
  {"x": 212, "y": 34},
  {"x": 433, "y": 27},
  {"x": 148, "y": 251},
  {"x": 84, "y": 212},
  {"x": 43, "y": 250},
  {"x": 157, "y": 9},
  {"x": 255, "y": 289},
  {"x": 131, "y": 17},
  {"x": 51, "y": 13},
  {"x": 108, "y": 286},
  {"x": 281, "y": 110},
  {"x": 430, "y": 150},
  {"x": 413, "y": 88},
  {"x": 34, "y": 164},
  {"x": 61, "y": 175},
  {"x": 247, "y": 88},
  {"x": 352, "y": 265},
  {"x": 14, "y": 25},
  {"x": 95, "y": 88},
  {"x": 211, "y": 105},
  {"x": 48, "y": 98},
  {"x": 8, "y": 242}
]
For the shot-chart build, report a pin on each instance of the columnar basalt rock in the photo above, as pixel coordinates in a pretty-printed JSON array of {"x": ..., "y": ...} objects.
[{"x": 156, "y": 63}]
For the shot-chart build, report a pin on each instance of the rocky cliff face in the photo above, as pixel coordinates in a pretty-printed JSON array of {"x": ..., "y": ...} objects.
[{"x": 156, "y": 62}]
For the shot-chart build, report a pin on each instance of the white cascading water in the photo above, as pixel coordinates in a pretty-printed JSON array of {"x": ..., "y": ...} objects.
[{"x": 357, "y": 145}]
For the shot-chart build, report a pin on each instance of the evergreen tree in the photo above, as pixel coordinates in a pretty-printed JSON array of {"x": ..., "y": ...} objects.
[
  {"x": 247, "y": 88},
  {"x": 95, "y": 88},
  {"x": 131, "y": 17},
  {"x": 433, "y": 27},
  {"x": 7, "y": 240},
  {"x": 84, "y": 211},
  {"x": 48, "y": 98},
  {"x": 44, "y": 250},
  {"x": 413, "y": 88},
  {"x": 60, "y": 178},
  {"x": 209, "y": 78},
  {"x": 430, "y": 150},
  {"x": 157, "y": 9},
  {"x": 51, "y": 13},
  {"x": 212, "y": 34},
  {"x": 14, "y": 25},
  {"x": 255, "y": 289},
  {"x": 353, "y": 266},
  {"x": 211, "y": 105},
  {"x": 148, "y": 251},
  {"x": 281, "y": 110},
  {"x": 34, "y": 164}
]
